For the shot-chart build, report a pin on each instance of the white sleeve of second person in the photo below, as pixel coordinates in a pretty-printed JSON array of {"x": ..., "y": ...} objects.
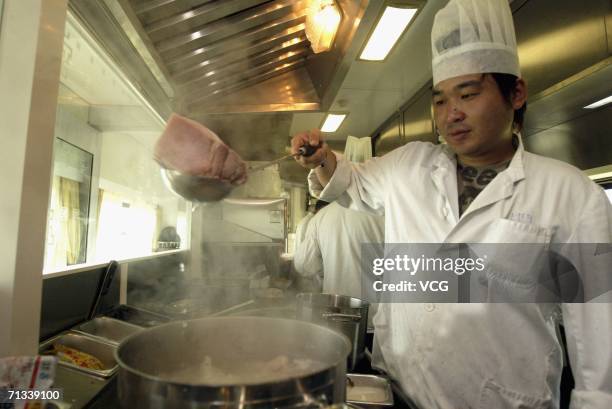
[
  {"x": 307, "y": 259},
  {"x": 588, "y": 325},
  {"x": 359, "y": 186}
]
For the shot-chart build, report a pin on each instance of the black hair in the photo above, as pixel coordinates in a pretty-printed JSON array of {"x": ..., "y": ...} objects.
[
  {"x": 320, "y": 205},
  {"x": 507, "y": 85}
]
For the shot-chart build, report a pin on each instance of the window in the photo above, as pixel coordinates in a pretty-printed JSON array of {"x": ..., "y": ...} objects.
[
  {"x": 67, "y": 225},
  {"x": 108, "y": 200},
  {"x": 608, "y": 189},
  {"x": 127, "y": 227}
]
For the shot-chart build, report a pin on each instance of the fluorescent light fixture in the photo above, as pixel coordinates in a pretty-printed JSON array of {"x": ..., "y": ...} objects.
[
  {"x": 390, "y": 27},
  {"x": 600, "y": 103},
  {"x": 332, "y": 122}
]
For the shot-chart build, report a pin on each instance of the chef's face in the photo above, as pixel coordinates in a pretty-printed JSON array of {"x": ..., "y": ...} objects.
[{"x": 474, "y": 118}]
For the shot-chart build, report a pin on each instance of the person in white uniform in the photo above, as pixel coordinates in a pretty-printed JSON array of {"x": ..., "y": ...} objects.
[
  {"x": 300, "y": 230},
  {"x": 332, "y": 247},
  {"x": 480, "y": 187},
  {"x": 332, "y": 244}
]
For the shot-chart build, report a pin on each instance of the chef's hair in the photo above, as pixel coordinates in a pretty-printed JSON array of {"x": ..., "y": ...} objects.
[
  {"x": 320, "y": 205},
  {"x": 507, "y": 85}
]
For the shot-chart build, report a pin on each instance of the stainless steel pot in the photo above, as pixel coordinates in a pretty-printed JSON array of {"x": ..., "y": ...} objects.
[
  {"x": 233, "y": 362},
  {"x": 196, "y": 188},
  {"x": 347, "y": 315}
]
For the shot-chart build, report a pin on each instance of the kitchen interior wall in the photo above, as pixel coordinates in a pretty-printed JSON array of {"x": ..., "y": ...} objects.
[
  {"x": 100, "y": 112},
  {"x": 298, "y": 205},
  {"x": 264, "y": 184},
  {"x": 128, "y": 167},
  {"x": 122, "y": 164}
]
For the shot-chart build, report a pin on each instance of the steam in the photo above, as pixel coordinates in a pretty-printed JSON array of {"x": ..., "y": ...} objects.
[
  {"x": 223, "y": 270},
  {"x": 228, "y": 265}
]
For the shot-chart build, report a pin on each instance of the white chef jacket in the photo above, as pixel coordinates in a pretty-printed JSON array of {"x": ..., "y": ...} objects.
[
  {"x": 332, "y": 247},
  {"x": 485, "y": 355},
  {"x": 300, "y": 230}
]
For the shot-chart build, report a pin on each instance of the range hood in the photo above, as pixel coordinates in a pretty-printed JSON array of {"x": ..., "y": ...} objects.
[{"x": 222, "y": 56}]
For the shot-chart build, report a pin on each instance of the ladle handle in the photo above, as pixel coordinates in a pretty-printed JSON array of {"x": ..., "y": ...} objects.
[{"x": 308, "y": 150}]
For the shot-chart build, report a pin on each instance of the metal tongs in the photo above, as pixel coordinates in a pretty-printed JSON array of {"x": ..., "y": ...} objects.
[{"x": 207, "y": 189}]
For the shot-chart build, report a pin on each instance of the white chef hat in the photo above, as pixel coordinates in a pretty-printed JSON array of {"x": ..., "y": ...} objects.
[{"x": 473, "y": 37}]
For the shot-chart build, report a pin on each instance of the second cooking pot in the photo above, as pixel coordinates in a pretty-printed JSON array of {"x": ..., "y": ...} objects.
[
  {"x": 233, "y": 362},
  {"x": 347, "y": 315}
]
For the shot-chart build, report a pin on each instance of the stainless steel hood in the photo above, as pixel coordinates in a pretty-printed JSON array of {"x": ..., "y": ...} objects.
[{"x": 224, "y": 56}]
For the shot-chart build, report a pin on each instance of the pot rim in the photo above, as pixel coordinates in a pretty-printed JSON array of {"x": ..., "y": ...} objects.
[
  {"x": 125, "y": 367},
  {"x": 306, "y": 297}
]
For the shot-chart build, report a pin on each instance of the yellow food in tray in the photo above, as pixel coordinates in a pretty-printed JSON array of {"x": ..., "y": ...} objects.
[{"x": 76, "y": 357}]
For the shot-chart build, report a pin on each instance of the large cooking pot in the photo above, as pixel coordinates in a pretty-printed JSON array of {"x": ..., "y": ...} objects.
[
  {"x": 233, "y": 362},
  {"x": 344, "y": 314}
]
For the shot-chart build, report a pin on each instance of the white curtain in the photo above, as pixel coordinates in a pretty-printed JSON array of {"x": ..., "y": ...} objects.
[{"x": 64, "y": 227}]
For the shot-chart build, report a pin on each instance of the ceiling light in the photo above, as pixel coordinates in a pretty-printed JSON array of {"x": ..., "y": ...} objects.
[
  {"x": 600, "y": 103},
  {"x": 322, "y": 22},
  {"x": 332, "y": 122},
  {"x": 390, "y": 27}
]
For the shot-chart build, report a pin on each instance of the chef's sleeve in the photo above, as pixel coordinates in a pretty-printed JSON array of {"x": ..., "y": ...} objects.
[
  {"x": 588, "y": 324},
  {"x": 359, "y": 186}
]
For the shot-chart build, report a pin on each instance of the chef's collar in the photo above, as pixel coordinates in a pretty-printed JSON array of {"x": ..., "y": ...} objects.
[{"x": 515, "y": 170}]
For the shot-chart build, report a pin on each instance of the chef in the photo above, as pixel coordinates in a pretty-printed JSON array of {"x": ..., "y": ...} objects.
[
  {"x": 480, "y": 187},
  {"x": 332, "y": 244}
]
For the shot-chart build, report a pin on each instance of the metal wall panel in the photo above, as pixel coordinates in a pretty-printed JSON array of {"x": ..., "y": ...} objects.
[
  {"x": 417, "y": 119},
  {"x": 412, "y": 123},
  {"x": 389, "y": 137},
  {"x": 558, "y": 38},
  {"x": 585, "y": 142}
]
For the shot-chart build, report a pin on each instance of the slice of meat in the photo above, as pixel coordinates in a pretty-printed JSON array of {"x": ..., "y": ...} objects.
[{"x": 192, "y": 149}]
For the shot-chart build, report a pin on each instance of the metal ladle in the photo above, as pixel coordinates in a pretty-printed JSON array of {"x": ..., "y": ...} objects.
[{"x": 209, "y": 189}]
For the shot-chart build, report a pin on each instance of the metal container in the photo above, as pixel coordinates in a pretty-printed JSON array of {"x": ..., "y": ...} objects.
[
  {"x": 347, "y": 315},
  {"x": 201, "y": 298},
  {"x": 233, "y": 362},
  {"x": 196, "y": 188},
  {"x": 138, "y": 316},
  {"x": 109, "y": 329},
  {"x": 187, "y": 308},
  {"x": 369, "y": 391},
  {"x": 104, "y": 351}
]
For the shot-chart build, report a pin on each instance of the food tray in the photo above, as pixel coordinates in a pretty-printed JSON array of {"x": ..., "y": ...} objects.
[
  {"x": 104, "y": 351},
  {"x": 109, "y": 329},
  {"x": 368, "y": 391}
]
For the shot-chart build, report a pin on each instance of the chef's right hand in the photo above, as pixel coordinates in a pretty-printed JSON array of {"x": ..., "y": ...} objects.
[{"x": 312, "y": 138}]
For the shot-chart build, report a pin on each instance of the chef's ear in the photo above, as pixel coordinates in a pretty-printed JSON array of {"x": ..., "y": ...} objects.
[
  {"x": 437, "y": 133},
  {"x": 519, "y": 94}
]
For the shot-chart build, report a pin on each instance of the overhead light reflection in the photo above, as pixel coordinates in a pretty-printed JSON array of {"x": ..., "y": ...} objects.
[
  {"x": 332, "y": 122},
  {"x": 322, "y": 24},
  {"x": 600, "y": 103},
  {"x": 291, "y": 42}
]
